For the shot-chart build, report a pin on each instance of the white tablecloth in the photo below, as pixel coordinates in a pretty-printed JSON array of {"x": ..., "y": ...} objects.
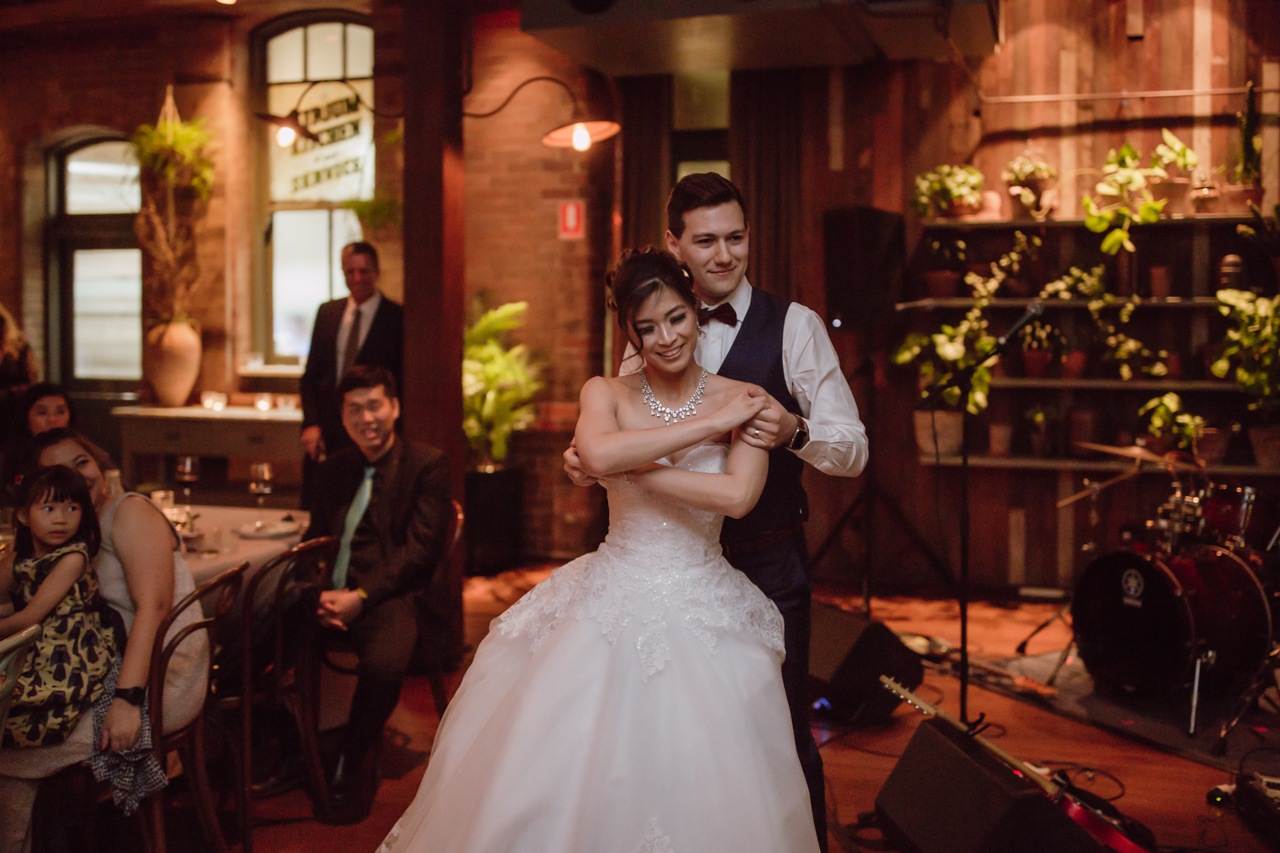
[{"x": 218, "y": 526}]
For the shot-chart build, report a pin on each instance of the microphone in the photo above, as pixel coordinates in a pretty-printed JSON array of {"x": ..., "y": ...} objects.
[
  {"x": 926, "y": 304},
  {"x": 1034, "y": 310}
]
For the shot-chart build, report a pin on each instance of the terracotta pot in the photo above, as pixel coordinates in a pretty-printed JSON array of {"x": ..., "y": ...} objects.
[
  {"x": 1035, "y": 363},
  {"x": 949, "y": 426},
  {"x": 1173, "y": 366},
  {"x": 1212, "y": 444},
  {"x": 1175, "y": 192},
  {"x": 171, "y": 362},
  {"x": 1000, "y": 439},
  {"x": 1266, "y": 446},
  {"x": 1083, "y": 424},
  {"x": 1040, "y": 442},
  {"x": 942, "y": 284},
  {"x": 1235, "y": 198},
  {"x": 1161, "y": 282},
  {"x": 1205, "y": 198},
  {"x": 1075, "y": 364}
]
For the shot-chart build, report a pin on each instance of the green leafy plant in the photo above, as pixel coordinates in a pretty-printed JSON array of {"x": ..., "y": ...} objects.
[
  {"x": 1265, "y": 232},
  {"x": 1248, "y": 168},
  {"x": 1038, "y": 335},
  {"x": 1173, "y": 152},
  {"x": 1251, "y": 356},
  {"x": 375, "y": 213},
  {"x": 941, "y": 356},
  {"x": 176, "y": 180},
  {"x": 1027, "y": 176},
  {"x": 1167, "y": 419},
  {"x": 1040, "y": 415},
  {"x": 949, "y": 254},
  {"x": 1124, "y": 197},
  {"x": 498, "y": 383},
  {"x": 946, "y": 189}
]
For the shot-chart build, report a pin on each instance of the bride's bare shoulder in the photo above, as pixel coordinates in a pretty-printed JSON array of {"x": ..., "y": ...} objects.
[
  {"x": 612, "y": 388},
  {"x": 719, "y": 385}
]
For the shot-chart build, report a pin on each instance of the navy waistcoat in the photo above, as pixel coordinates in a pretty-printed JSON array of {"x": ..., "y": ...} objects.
[{"x": 756, "y": 357}]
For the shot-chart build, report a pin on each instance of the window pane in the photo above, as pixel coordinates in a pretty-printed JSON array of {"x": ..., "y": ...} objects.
[
  {"x": 692, "y": 167},
  {"x": 340, "y": 166},
  {"x": 103, "y": 178},
  {"x": 284, "y": 57},
  {"x": 107, "y": 299},
  {"x": 359, "y": 51},
  {"x": 300, "y": 276},
  {"x": 324, "y": 52},
  {"x": 346, "y": 229}
]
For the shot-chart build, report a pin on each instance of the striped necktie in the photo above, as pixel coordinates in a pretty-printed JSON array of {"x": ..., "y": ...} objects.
[{"x": 355, "y": 512}]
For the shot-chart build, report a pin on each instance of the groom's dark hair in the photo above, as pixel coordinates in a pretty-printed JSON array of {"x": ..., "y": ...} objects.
[{"x": 702, "y": 189}]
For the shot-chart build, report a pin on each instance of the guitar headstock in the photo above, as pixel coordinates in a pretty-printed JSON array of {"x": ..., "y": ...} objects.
[{"x": 910, "y": 698}]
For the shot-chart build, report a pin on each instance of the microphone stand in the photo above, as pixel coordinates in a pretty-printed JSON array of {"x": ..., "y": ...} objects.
[{"x": 963, "y": 380}]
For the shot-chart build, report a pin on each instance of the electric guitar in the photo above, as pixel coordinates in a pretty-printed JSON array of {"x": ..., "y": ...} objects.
[{"x": 1104, "y": 829}]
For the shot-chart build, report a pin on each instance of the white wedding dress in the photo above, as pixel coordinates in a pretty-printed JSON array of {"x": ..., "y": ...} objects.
[{"x": 631, "y": 702}]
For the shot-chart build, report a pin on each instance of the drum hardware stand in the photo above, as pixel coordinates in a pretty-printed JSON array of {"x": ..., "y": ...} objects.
[
  {"x": 1247, "y": 698},
  {"x": 1205, "y": 658}
]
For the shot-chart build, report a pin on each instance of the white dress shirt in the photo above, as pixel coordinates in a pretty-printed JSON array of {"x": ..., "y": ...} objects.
[
  {"x": 837, "y": 438},
  {"x": 366, "y": 311}
]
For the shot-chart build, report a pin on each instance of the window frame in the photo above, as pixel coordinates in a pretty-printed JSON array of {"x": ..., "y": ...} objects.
[{"x": 262, "y": 319}]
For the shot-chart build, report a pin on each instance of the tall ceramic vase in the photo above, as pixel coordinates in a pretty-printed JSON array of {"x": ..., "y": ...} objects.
[{"x": 171, "y": 362}]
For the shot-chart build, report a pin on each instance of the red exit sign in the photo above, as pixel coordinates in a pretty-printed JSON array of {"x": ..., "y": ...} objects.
[{"x": 571, "y": 220}]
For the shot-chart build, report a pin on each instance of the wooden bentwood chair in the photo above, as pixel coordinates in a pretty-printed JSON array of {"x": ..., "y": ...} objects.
[{"x": 14, "y": 651}]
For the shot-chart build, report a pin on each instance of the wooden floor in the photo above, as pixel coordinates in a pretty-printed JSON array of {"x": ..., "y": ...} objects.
[{"x": 1162, "y": 791}]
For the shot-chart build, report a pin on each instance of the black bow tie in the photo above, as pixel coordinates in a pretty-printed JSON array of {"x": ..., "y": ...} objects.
[{"x": 723, "y": 312}]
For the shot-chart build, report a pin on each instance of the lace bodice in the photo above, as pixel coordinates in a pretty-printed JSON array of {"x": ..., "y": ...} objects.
[{"x": 660, "y": 567}]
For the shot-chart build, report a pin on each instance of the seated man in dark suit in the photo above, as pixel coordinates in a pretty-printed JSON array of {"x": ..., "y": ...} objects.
[
  {"x": 365, "y": 328},
  {"x": 388, "y": 499}
]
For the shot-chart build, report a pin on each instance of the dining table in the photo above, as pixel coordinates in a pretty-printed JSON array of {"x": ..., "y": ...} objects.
[{"x": 219, "y": 538}]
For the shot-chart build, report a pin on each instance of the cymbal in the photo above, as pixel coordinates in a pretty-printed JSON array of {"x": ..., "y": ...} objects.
[{"x": 1141, "y": 454}]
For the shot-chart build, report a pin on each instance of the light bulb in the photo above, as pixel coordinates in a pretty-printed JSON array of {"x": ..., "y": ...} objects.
[
  {"x": 581, "y": 138},
  {"x": 285, "y": 137},
  {"x": 227, "y": 2}
]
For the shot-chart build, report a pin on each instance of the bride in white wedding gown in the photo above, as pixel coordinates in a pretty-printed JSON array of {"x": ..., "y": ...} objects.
[{"x": 632, "y": 701}]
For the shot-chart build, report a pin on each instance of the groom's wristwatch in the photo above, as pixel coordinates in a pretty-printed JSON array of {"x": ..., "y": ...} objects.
[{"x": 800, "y": 437}]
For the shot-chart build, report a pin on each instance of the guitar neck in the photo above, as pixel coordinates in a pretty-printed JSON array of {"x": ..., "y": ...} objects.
[{"x": 933, "y": 711}]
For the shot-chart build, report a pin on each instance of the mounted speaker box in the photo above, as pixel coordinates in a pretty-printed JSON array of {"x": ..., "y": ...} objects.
[
  {"x": 948, "y": 794},
  {"x": 864, "y": 253},
  {"x": 848, "y": 653}
]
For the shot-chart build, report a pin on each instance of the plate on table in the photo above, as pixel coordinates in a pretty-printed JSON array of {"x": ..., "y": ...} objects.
[{"x": 269, "y": 529}]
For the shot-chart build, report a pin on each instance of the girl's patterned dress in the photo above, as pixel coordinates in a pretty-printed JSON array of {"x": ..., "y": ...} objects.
[{"x": 68, "y": 666}]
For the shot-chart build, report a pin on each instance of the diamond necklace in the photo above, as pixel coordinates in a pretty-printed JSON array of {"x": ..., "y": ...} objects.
[{"x": 688, "y": 410}]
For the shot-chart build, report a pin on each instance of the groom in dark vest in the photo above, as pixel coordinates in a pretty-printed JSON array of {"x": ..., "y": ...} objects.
[{"x": 782, "y": 346}]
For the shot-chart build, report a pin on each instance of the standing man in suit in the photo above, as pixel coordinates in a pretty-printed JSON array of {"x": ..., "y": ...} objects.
[
  {"x": 388, "y": 500},
  {"x": 782, "y": 346},
  {"x": 365, "y": 328}
]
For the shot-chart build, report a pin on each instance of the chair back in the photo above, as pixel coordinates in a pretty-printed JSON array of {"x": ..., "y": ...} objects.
[
  {"x": 223, "y": 590},
  {"x": 304, "y": 570},
  {"x": 14, "y": 651}
]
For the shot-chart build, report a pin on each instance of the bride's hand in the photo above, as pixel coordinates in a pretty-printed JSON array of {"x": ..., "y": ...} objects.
[{"x": 741, "y": 406}]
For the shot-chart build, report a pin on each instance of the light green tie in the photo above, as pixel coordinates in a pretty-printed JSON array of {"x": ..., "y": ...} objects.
[{"x": 355, "y": 512}]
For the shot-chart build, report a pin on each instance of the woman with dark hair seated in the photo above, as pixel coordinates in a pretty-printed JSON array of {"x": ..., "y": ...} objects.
[
  {"x": 39, "y": 408},
  {"x": 141, "y": 575}
]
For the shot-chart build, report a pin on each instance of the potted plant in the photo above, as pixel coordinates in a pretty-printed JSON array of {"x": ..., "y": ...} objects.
[
  {"x": 1168, "y": 421},
  {"x": 1245, "y": 189},
  {"x": 947, "y": 259},
  {"x": 1041, "y": 417},
  {"x": 1028, "y": 177},
  {"x": 939, "y": 358},
  {"x": 498, "y": 385},
  {"x": 1252, "y": 359},
  {"x": 1173, "y": 189},
  {"x": 1075, "y": 354},
  {"x": 1124, "y": 197},
  {"x": 1265, "y": 234},
  {"x": 176, "y": 178},
  {"x": 949, "y": 191},
  {"x": 1042, "y": 345}
]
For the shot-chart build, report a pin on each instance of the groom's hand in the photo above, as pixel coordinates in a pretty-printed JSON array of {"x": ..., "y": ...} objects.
[
  {"x": 772, "y": 427},
  {"x": 573, "y": 467}
]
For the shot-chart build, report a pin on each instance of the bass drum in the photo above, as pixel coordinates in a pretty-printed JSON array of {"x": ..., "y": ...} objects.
[{"x": 1141, "y": 620}]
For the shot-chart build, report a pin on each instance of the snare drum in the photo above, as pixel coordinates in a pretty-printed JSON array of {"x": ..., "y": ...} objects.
[{"x": 1142, "y": 620}]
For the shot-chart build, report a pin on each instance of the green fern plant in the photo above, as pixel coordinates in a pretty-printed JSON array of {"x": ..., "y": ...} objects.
[{"x": 498, "y": 383}]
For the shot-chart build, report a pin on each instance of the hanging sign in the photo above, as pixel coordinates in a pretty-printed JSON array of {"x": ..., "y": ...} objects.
[
  {"x": 571, "y": 224},
  {"x": 339, "y": 167}
]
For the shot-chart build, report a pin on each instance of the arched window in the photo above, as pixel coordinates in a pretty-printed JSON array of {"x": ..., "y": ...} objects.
[
  {"x": 96, "y": 312},
  {"x": 322, "y": 70}
]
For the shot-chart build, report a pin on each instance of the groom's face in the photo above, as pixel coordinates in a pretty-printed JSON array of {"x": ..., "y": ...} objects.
[{"x": 714, "y": 248}]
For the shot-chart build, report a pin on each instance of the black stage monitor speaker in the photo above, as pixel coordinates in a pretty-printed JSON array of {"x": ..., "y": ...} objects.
[
  {"x": 847, "y": 655},
  {"x": 949, "y": 794},
  {"x": 864, "y": 253}
]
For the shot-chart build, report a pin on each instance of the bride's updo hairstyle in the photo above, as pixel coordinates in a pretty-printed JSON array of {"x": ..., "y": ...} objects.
[{"x": 637, "y": 277}]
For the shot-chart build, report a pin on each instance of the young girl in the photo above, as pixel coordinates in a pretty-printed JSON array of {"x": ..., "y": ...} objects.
[{"x": 52, "y": 585}]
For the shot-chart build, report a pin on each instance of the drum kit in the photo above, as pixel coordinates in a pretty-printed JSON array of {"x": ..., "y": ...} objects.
[{"x": 1188, "y": 601}]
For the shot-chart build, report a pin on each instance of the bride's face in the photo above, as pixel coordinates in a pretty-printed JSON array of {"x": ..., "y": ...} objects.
[{"x": 667, "y": 328}]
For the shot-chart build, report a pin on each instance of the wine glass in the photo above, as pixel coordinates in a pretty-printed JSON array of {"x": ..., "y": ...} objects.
[
  {"x": 187, "y": 472},
  {"x": 260, "y": 479}
]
